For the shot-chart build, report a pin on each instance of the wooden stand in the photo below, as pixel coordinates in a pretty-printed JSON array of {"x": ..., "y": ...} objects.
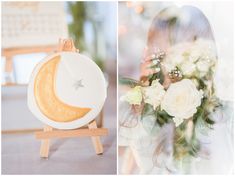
[
  {"x": 92, "y": 130},
  {"x": 9, "y": 53}
]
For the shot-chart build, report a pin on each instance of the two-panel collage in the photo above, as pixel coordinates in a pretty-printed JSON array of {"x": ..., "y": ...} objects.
[{"x": 117, "y": 88}]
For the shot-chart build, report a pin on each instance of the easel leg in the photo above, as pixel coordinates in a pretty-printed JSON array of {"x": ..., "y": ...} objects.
[
  {"x": 96, "y": 140},
  {"x": 45, "y": 144}
]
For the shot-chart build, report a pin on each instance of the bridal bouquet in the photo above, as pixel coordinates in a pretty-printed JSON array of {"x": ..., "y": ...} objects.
[{"x": 188, "y": 100}]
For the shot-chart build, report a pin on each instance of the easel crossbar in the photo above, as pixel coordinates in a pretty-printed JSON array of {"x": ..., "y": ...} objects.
[{"x": 71, "y": 133}]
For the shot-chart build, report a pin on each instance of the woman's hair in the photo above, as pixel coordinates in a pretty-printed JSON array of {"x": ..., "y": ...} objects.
[{"x": 174, "y": 25}]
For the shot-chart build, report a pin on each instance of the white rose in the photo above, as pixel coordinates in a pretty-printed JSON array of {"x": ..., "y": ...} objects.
[
  {"x": 153, "y": 94},
  {"x": 133, "y": 96},
  {"x": 181, "y": 100}
]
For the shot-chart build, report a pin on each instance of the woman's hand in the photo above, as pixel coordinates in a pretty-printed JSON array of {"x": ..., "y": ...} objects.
[{"x": 146, "y": 70}]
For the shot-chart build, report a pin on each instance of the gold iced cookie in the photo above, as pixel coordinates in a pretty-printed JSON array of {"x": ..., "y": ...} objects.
[{"x": 49, "y": 104}]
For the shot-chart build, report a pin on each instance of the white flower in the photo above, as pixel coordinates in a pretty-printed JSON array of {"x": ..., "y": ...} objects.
[
  {"x": 133, "y": 96},
  {"x": 175, "y": 55},
  {"x": 195, "y": 81},
  {"x": 153, "y": 94},
  {"x": 181, "y": 100},
  {"x": 202, "y": 49},
  {"x": 188, "y": 68},
  {"x": 189, "y": 57},
  {"x": 203, "y": 65},
  {"x": 178, "y": 121}
]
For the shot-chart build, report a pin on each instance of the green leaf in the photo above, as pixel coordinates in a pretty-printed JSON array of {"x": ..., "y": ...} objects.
[
  {"x": 129, "y": 82},
  {"x": 209, "y": 121},
  {"x": 162, "y": 117},
  {"x": 147, "y": 110},
  {"x": 153, "y": 66},
  {"x": 194, "y": 146},
  {"x": 159, "y": 75}
]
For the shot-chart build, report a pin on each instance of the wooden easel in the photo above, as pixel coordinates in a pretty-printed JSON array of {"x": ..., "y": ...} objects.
[
  {"x": 9, "y": 53},
  {"x": 91, "y": 131}
]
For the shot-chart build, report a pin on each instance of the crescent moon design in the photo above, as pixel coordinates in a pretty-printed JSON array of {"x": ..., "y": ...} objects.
[{"x": 49, "y": 104}]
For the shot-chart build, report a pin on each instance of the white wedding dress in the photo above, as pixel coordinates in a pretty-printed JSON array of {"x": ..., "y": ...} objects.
[{"x": 218, "y": 142}]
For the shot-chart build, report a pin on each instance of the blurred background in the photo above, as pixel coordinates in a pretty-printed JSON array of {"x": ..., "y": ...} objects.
[
  {"x": 31, "y": 31},
  {"x": 134, "y": 20},
  {"x": 30, "y": 35}
]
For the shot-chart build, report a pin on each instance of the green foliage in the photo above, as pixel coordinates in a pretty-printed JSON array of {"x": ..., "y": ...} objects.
[
  {"x": 194, "y": 146},
  {"x": 162, "y": 117},
  {"x": 204, "y": 111},
  {"x": 78, "y": 13},
  {"x": 159, "y": 75},
  {"x": 184, "y": 147},
  {"x": 128, "y": 82},
  {"x": 147, "y": 110},
  {"x": 99, "y": 62},
  {"x": 155, "y": 76}
]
